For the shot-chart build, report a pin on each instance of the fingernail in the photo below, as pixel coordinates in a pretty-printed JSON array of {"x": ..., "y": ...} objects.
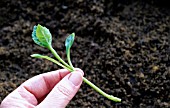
[
  {"x": 75, "y": 78},
  {"x": 79, "y": 70}
]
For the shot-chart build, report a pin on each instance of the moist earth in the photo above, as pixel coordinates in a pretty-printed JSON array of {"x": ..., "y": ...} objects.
[{"x": 122, "y": 46}]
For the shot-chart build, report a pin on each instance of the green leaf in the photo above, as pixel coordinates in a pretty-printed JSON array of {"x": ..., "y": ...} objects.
[
  {"x": 69, "y": 42},
  {"x": 41, "y": 36},
  {"x": 34, "y": 37}
]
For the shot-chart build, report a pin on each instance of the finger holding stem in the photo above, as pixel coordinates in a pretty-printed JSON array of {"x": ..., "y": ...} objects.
[{"x": 84, "y": 79}]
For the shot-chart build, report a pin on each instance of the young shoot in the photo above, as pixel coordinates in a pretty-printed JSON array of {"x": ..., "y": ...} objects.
[{"x": 42, "y": 36}]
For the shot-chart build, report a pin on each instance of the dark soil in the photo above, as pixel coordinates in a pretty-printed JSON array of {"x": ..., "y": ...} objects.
[{"x": 121, "y": 46}]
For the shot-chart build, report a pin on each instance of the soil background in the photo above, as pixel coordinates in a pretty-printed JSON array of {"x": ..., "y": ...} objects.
[{"x": 122, "y": 46}]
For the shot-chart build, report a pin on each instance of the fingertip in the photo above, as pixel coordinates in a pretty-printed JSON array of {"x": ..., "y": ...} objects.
[{"x": 76, "y": 78}]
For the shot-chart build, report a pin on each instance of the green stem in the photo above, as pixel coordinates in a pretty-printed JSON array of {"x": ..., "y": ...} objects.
[
  {"x": 68, "y": 58},
  {"x": 57, "y": 56},
  {"x": 56, "y": 62},
  {"x": 100, "y": 91},
  {"x": 116, "y": 99}
]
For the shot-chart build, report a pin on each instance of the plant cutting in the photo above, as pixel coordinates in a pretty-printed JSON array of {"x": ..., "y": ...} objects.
[{"x": 42, "y": 36}]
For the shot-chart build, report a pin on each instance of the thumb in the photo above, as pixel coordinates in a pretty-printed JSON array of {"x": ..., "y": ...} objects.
[{"x": 63, "y": 92}]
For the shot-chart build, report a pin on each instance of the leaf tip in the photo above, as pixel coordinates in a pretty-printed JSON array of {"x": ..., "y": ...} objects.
[
  {"x": 73, "y": 34},
  {"x": 36, "y": 55},
  {"x": 39, "y": 26}
]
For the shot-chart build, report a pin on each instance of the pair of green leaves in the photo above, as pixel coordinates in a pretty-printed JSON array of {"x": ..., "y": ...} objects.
[{"x": 42, "y": 36}]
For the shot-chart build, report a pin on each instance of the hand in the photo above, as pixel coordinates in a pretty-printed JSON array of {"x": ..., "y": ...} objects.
[{"x": 49, "y": 90}]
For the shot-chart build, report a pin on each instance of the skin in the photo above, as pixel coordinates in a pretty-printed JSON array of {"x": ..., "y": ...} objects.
[{"x": 49, "y": 90}]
